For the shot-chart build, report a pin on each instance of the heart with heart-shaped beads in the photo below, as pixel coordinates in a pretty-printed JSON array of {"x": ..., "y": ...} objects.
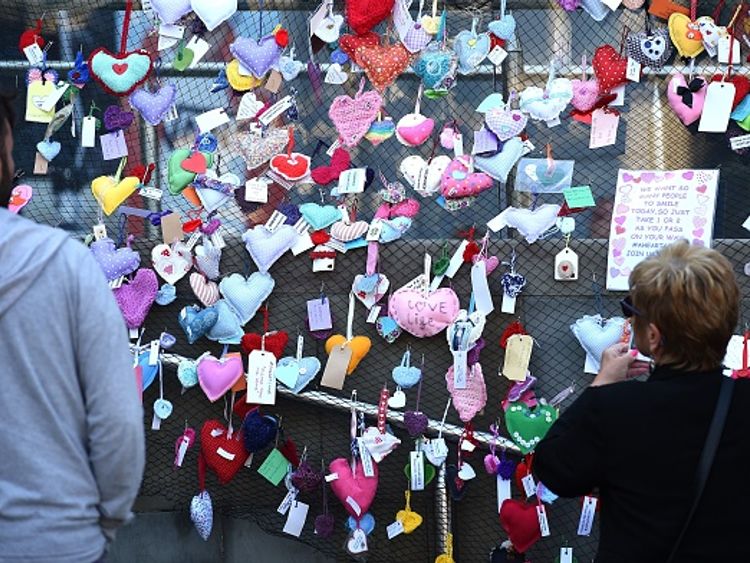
[{"x": 527, "y": 427}]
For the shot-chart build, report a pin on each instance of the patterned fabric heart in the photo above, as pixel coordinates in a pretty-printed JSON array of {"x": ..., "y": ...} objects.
[
  {"x": 469, "y": 401},
  {"x": 596, "y": 335},
  {"x": 119, "y": 74},
  {"x": 546, "y": 104},
  {"x": 225, "y": 455},
  {"x": 207, "y": 258},
  {"x": 585, "y": 94},
  {"x": 383, "y": 64},
  {"x": 153, "y": 107},
  {"x": 370, "y": 293},
  {"x": 136, "y": 297},
  {"x": 388, "y": 329},
  {"x": 259, "y": 149},
  {"x": 526, "y": 427},
  {"x": 171, "y": 263},
  {"x": 457, "y": 182},
  {"x": 245, "y": 296},
  {"x": 505, "y": 123},
  {"x": 206, "y": 291},
  {"x": 169, "y": 11},
  {"x": 350, "y": 43},
  {"x": 650, "y": 50},
  {"x": 202, "y": 511},
  {"x": 363, "y": 15},
  {"x": 217, "y": 376},
  {"x": 257, "y": 56},
  {"x": 266, "y": 247},
  {"x": 115, "y": 263},
  {"x": 471, "y": 48},
  {"x": 610, "y": 68},
  {"x": 196, "y": 322},
  {"x": 530, "y": 223},
  {"x": 319, "y": 216},
  {"x": 352, "y": 117},
  {"x": 422, "y": 175},
  {"x": 499, "y": 165},
  {"x": 227, "y": 329}
]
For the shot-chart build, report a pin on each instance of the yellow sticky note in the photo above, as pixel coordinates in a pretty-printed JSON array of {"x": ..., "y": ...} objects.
[{"x": 35, "y": 97}]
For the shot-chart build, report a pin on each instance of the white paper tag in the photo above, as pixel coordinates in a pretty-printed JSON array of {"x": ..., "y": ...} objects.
[
  {"x": 619, "y": 91},
  {"x": 181, "y": 451},
  {"x": 366, "y": 458},
  {"x": 612, "y": 4},
  {"x": 303, "y": 244},
  {"x": 416, "y": 460},
  {"x": 352, "y": 181},
  {"x": 439, "y": 447},
  {"x": 100, "y": 231},
  {"x": 113, "y": 145},
  {"x": 199, "y": 47},
  {"x": 588, "y": 512},
  {"x": 34, "y": 54},
  {"x": 481, "y": 288},
  {"x": 566, "y": 555},
  {"x": 256, "y": 190},
  {"x": 372, "y": 317},
  {"x": 275, "y": 221},
  {"x": 229, "y": 456},
  {"x": 395, "y": 529},
  {"x": 468, "y": 446},
  {"x": 741, "y": 142},
  {"x": 331, "y": 477},
  {"x": 336, "y": 144},
  {"x": 717, "y": 108},
  {"x": 172, "y": 30},
  {"x": 51, "y": 100},
  {"x": 746, "y": 225},
  {"x": 155, "y": 422},
  {"x": 88, "y": 132},
  {"x": 456, "y": 260},
  {"x": 218, "y": 240},
  {"x": 211, "y": 119},
  {"x": 541, "y": 513},
  {"x": 287, "y": 501},
  {"x": 508, "y": 305},
  {"x": 503, "y": 492},
  {"x": 268, "y": 116},
  {"x": 358, "y": 542},
  {"x": 261, "y": 381},
  {"x": 723, "y": 51},
  {"x": 153, "y": 353},
  {"x": 529, "y": 486},
  {"x": 373, "y": 233},
  {"x": 497, "y": 55},
  {"x": 604, "y": 125},
  {"x": 633, "y": 72},
  {"x": 458, "y": 146},
  {"x": 355, "y": 506},
  {"x": 460, "y": 368},
  {"x": 296, "y": 518},
  {"x": 151, "y": 193}
]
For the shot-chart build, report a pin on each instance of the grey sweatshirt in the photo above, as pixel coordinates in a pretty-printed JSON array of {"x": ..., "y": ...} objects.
[{"x": 71, "y": 439}]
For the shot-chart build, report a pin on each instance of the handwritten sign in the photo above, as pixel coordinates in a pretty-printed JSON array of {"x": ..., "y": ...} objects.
[{"x": 655, "y": 208}]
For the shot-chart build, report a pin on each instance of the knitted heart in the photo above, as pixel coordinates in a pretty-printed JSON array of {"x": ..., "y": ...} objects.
[
  {"x": 350, "y": 43},
  {"x": 520, "y": 521},
  {"x": 499, "y": 165},
  {"x": 457, "y": 182},
  {"x": 469, "y": 401},
  {"x": 111, "y": 194},
  {"x": 225, "y": 455},
  {"x": 227, "y": 329},
  {"x": 414, "y": 129},
  {"x": 526, "y": 427},
  {"x": 383, "y": 63},
  {"x": 119, "y": 74},
  {"x": 259, "y": 431},
  {"x": 178, "y": 177},
  {"x": 171, "y": 263},
  {"x": 266, "y": 247},
  {"x": 471, "y": 48},
  {"x": 424, "y": 315},
  {"x": 169, "y": 11},
  {"x": 300, "y": 372},
  {"x": 355, "y": 485},
  {"x": 363, "y": 15},
  {"x": 239, "y": 81},
  {"x": 610, "y": 68},
  {"x": 217, "y": 375},
  {"x": 214, "y": 12},
  {"x": 206, "y": 291},
  {"x": 20, "y": 196},
  {"x": 406, "y": 376},
  {"x": 187, "y": 373},
  {"x": 117, "y": 118},
  {"x": 369, "y": 296},
  {"x": 504, "y": 28},
  {"x": 741, "y": 86},
  {"x": 245, "y": 296},
  {"x": 275, "y": 342},
  {"x": 416, "y": 423},
  {"x": 196, "y": 322},
  {"x": 324, "y": 175},
  {"x": 136, "y": 296},
  {"x": 547, "y": 103},
  {"x": 685, "y": 35},
  {"x": 650, "y": 50},
  {"x": 585, "y": 94},
  {"x": 505, "y": 123},
  {"x": 292, "y": 167},
  {"x": 115, "y": 263},
  {"x": 424, "y": 177},
  {"x": 153, "y": 107},
  {"x": 202, "y": 511},
  {"x": 360, "y": 346},
  {"x": 352, "y": 116},
  {"x": 434, "y": 65},
  {"x": 347, "y": 233},
  {"x": 688, "y": 115},
  {"x": 257, "y": 149},
  {"x": 596, "y": 335},
  {"x": 48, "y": 149},
  {"x": 257, "y": 56},
  {"x": 207, "y": 258},
  {"x": 319, "y": 216}
]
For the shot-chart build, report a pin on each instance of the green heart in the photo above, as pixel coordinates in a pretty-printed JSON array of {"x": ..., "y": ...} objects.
[
  {"x": 184, "y": 58},
  {"x": 429, "y": 472},
  {"x": 527, "y": 427},
  {"x": 180, "y": 179}
]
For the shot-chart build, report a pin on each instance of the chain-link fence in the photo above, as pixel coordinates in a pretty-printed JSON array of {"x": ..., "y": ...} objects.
[{"x": 649, "y": 137}]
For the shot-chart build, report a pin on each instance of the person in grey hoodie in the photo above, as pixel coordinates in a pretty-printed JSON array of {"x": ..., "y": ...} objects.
[{"x": 72, "y": 439}]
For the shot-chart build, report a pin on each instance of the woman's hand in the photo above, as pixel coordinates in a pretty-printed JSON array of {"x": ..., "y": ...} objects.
[{"x": 619, "y": 364}]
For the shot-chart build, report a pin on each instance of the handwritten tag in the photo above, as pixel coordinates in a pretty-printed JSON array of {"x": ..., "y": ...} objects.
[
  {"x": 717, "y": 108},
  {"x": 113, "y": 145},
  {"x": 33, "y": 54},
  {"x": 355, "y": 505},
  {"x": 256, "y": 190},
  {"x": 541, "y": 513},
  {"x": 416, "y": 461},
  {"x": 373, "y": 233},
  {"x": 319, "y": 314},
  {"x": 497, "y": 55},
  {"x": 579, "y": 196},
  {"x": 394, "y": 529},
  {"x": 741, "y": 142},
  {"x": 723, "y": 50},
  {"x": 211, "y": 119},
  {"x": 40, "y": 164},
  {"x": 36, "y": 94},
  {"x": 633, "y": 71},
  {"x": 275, "y": 467},
  {"x": 460, "y": 367},
  {"x": 296, "y": 518},
  {"x": 352, "y": 181},
  {"x": 366, "y": 459},
  {"x": 566, "y": 555},
  {"x": 336, "y": 366},
  {"x": 357, "y": 542},
  {"x": 529, "y": 486},
  {"x": 586, "y": 522},
  {"x": 261, "y": 382},
  {"x": 517, "y": 356},
  {"x": 88, "y": 132},
  {"x": 604, "y": 125},
  {"x": 268, "y": 116},
  {"x": 287, "y": 501}
]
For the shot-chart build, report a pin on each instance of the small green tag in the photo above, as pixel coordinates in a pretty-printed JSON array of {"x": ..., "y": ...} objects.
[
  {"x": 275, "y": 467},
  {"x": 183, "y": 59},
  {"x": 579, "y": 196}
]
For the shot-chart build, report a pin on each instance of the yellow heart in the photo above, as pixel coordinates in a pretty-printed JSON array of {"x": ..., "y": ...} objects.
[
  {"x": 444, "y": 558},
  {"x": 679, "y": 33},
  {"x": 238, "y": 81},
  {"x": 430, "y": 24},
  {"x": 110, "y": 194},
  {"x": 410, "y": 520},
  {"x": 360, "y": 346}
]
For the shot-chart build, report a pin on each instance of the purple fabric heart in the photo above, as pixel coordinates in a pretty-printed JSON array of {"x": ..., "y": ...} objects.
[
  {"x": 154, "y": 106},
  {"x": 257, "y": 56},
  {"x": 115, "y": 263},
  {"x": 116, "y": 118},
  {"x": 266, "y": 247},
  {"x": 169, "y": 11},
  {"x": 135, "y": 298}
]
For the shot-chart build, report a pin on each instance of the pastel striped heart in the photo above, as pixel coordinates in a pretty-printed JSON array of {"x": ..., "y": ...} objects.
[
  {"x": 119, "y": 74},
  {"x": 216, "y": 376},
  {"x": 345, "y": 233},
  {"x": 154, "y": 106},
  {"x": 206, "y": 291},
  {"x": 506, "y": 124},
  {"x": 457, "y": 182},
  {"x": 257, "y": 56}
]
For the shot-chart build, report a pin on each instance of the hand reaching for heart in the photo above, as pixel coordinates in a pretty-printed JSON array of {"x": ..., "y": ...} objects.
[{"x": 619, "y": 363}]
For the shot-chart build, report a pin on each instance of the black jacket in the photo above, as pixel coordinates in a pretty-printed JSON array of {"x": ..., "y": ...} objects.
[{"x": 639, "y": 444}]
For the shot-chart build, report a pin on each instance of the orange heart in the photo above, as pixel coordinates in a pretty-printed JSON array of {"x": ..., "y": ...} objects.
[
  {"x": 360, "y": 346},
  {"x": 383, "y": 63}
]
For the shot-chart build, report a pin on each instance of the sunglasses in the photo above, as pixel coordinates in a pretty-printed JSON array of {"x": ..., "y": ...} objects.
[{"x": 628, "y": 309}]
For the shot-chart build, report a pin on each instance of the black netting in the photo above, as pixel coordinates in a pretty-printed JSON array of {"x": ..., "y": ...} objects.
[{"x": 649, "y": 137}]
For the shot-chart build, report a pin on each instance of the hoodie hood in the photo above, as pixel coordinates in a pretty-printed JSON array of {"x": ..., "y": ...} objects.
[{"x": 26, "y": 248}]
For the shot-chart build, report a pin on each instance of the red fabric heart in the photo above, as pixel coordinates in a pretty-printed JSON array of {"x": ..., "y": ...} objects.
[
  {"x": 275, "y": 342},
  {"x": 340, "y": 161},
  {"x": 363, "y": 15},
  {"x": 224, "y": 455},
  {"x": 741, "y": 86},
  {"x": 282, "y": 38},
  {"x": 520, "y": 522},
  {"x": 495, "y": 41},
  {"x": 31, "y": 36},
  {"x": 521, "y": 472},
  {"x": 383, "y": 63},
  {"x": 350, "y": 43},
  {"x": 291, "y": 167},
  {"x": 610, "y": 68},
  {"x": 513, "y": 328},
  {"x": 195, "y": 163}
]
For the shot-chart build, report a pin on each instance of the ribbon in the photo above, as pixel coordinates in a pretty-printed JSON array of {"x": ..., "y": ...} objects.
[{"x": 686, "y": 92}]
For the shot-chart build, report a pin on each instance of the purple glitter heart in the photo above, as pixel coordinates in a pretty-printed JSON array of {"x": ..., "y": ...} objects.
[
  {"x": 257, "y": 56},
  {"x": 117, "y": 118},
  {"x": 153, "y": 107}
]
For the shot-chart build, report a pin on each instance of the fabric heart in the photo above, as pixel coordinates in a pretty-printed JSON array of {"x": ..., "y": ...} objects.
[
  {"x": 187, "y": 373},
  {"x": 499, "y": 165},
  {"x": 547, "y": 104},
  {"x": 48, "y": 149},
  {"x": 292, "y": 167},
  {"x": 216, "y": 376},
  {"x": 207, "y": 258},
  {"x": 424, "y": 315},
  {"x": 388, "y": 329},
  {"x": 202, "y": 511},
  {"x": 346, "y": 233},
  {"x": 275, "y": 342},
  {"x": 225, "y": 455},
  {"x": 115, "y": 263},
  {"x": 416, "y": 38},
  {"x": 595, "y": 8},
  {"x": 379, "y": 445},
  {"x": 355, "y": 485},
  {"x": 258, "y": 149},
  {"x": 214, "y": 12},
  {"x": 530, "y": 223},
  {"x": 149, "y": 371},
  {"x": 240, "y": 81},
  {"x": 504, "y": 28},
  {"x": 169, "y": 11},
  {"x": 650, "y": 50},
  {"x": 167, "y": 294},
  {"x": 407, "y": 208},
  {"x": 153, "y": 107},
  {"x": 340, "y": 161},
  {"x": 505, "y": 123},
  {"x": 119, "y": 74},
  {"x": 416, "y": 423},
  {"x": 257, "y": 56},
  {"x": 171, "y": 263},
  {"x": 352, "y": 117},
  {"x": 520, "y": 521},
  {"x": 227, "y": 329},
  {"x": 301, "y": 372},
  {"x": 266, "y": 247},
  {"x": 196, "y": 322},
  {"x": 178, "y": 177},
  {"x": 383, "y": 63},
  {"x": 741, "y": 86},
  {"x": 111, "y": 194},
  {"x": 245, "y": 296},
  {"x": 20, "y": 196},
  {"x": 527, "y": 427},
  {"x": 685, "y": 35},
  {"x": 136, "y": 296},
  {"x": 434, "y": 454},
  {"x": 350, "y": 43},
  {"x": 610, "y": 68},
  {"x": 414, "y": 129},
  {"x": 457, "y": 182},
  {"x": 423, "y": 176},
  {"x": 249, "y": 107},
  {"x": 596, "y": 335},
  {"x": 469, "y": 401},
  {"x": 369, "y": 296},
  {"x": 380, "y": 131},
  {"x": 434, "y": 65},
  {"x": 471, "y": 48},
  {"x": 363, "y": 15},
  {"x": 360, "y": 346},
  {"x": 318, "y": 216},
  {"x": 206, "y": 291},
  {"x": 679, "y": 92},
  {"x": 585, "y": 94}
]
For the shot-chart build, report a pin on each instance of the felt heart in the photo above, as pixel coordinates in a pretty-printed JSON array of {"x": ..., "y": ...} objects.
[
  {"x": 409, "y": 519},
  {"x": 292, "y": 167},
  {"x": 650, "y": 50},
  {"x": 257, "y": 56},
  {"x": 169, "y": 11},
  {"x": 350, "y": 43},
  {"x": 530, "y": 223},
  {"x": 115, "y": 263},
  {"x": 225, "y": 455},
  {"x": 397, "y": 400},
  {"x": 301, "y": 372},
  {"x": 424, "y": 177},
  {"x": 171, "y": 263},
  {"x": 469, "y": 401},
  {"x": 610, "y": 68},
  {"x": 214, "y": 12},
  {"x": 329, "y": 29},
  {"x": 20, "y": 196},
  {"x": 424, "y": 315},
  {"x": 457, "y": 182},
  {"x": 196, "y": 322},
  {"x": 414, "y": 129},
  {"x": 318, "y": 216},
  {"x": 456, "y": 485},
  {"x": 352, "y": 117},
  {"x": 596, "y": 335},
  {"x": 136, "y": 296},
  {"x": 187, "y": 373},
  {"x": 217, "y": 376},
  {"x": 388, "y": 329},
  {"x": 206, "y": 291},
  {"x": 546, "y": 103},
  {"x": 360, "y": 346},
  {"x": 505, "y": 123},
  {"x": 111, "y": 194},
  {"x": 153, "y": 107},
  {"x": 363, "y": 15},
  {"x": 378, "y": 444},
  {"x": 207, "y": 258},
  {"x": 167, "y": 294},
  {"x": 275, "y": 342},
  {"x": 178, "y": 177},
  {"x": 245, "y": 296},
  {"x": 688, "y": 115},
  {"x": 585, "y": 94},
  {"x": 324, "y": 175},
  {"x": 257, "y": 149},
  {"x": 227, "y": 329},
  {"x": 239, "y": 81},
  {"x": 741, "y": 86},
  {"x": 48, "y": 149},
  {"x": 499, "y": 165},
  {"x": 346, "y": 233},
  {"x": 119, "y": 74},
  {"x": 353, "y": 486},
  {"x": 520, "y": 521},
  {"x": 148, "y": 371},
  {"x": 195, "y": 162},
  {"x": 258, "y": 431},
  {"x": 369, "y": 296},
  {"x": 685, "y": 35},
  {"x": 434, "y": 65},
  {"x": 383, "y": 63},
  {"x": 266, "y": 247},
  {"x": 526, "y": 427},
  {"x": 471, "y": 48},
  {"x": 366, "y": 523},
  {"x": 202, "y": 511},
  {"x": 504, "y": 28}
]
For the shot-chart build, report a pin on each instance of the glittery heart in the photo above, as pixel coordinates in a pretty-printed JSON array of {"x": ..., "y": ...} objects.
[
  {"x": 216, "y": 376},
  {"x": 324, "y": 175},
  {"x": 472, "y": 48},
  {"x": 505, "y": 123},
  {"x": 424, "y": 177},
  {"x": 223, "y": 454},
  {"x": 196, "y": 322},
  {"x": 363, "y": 15},
  {"x": 610, "y": 68},
  {"x": 650, "y": 50},
  {"x": 352, "y": 117},
  {"x": 117, "y": 118},
  {"x": 171, "y": 263},
  {"x": 360, "y": 346},
  {"x": 504, "y": 28},
  {"x": 202, "y": 511},
  {"x": 169, "y": 11},
  {"x": 434, "y": 64},
  {"x": 187, "y": 373},
  {"x": 119, "y": 74},
  {"x": 473, "y": 398},
  {"x": 527, "y": 427},
  {"x": 153, "y": 107},
  {"x": 370, "y": 294},
  {"x": 688, "y": 115},
  {"x": 206, "y": 291},
  {"x": 266, "y": 247},
  {"x": 520, "y": 521},
  {"x": 257, "y": 149},
  {"x": 178, "y": 177},
  {"x": 257, "y": 56},
  {"x": 136, "y": 297},
  {"x": 214, "y": 12},
  {"x": 383, "y": 63},
  {"x": 499, "y": 165},
  {"x": 319, "y": 216},
  {"x": 115, "y": 262},
  {"x": 350, "y": 43},
  {"x": 596, "y": 335},
  {"x": 304, "y": 371},
  {"x": 685, "y": 35},
  {"x": 585, "y": 94},
  {"x": 424, "y": 315},
  {"x": 457, "y": 182},
  {"x": 246, "y": 296},
  {"x": 355, "y": 485},
  {"x": 48, "y": 149},
  {"x": 546, "y": 104},
  {"x": 292, "y": 167}
]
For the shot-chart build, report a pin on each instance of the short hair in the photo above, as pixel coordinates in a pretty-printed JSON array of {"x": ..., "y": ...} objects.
[
  {"x": 7, "y": 119},
  {"x": 690, "y": 293}
]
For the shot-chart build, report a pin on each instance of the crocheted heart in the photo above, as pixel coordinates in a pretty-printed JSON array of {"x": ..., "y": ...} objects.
[
  {"x": 169, "y": 11},
  {"x": 424, "y": 177},
  {"x": 227, "y": 329},
  {"x": 20, "y": 196},
  {"x": 471, "y": 48},
  {"x": 370, "y": 294},
  {"x": 111, "y": 194},
  {"x": 245, "y": 296},
  {"x": 434, "y": 65},
  {"x": 340, "y": 161},
  {"x": 275, "y": 342},
  {"x": 741, "y": 86},
  {"x": 585, "y": 94},
  {"x": 346, "y": 233},
  {"x": 171, "y": 263},
  {"x": 292, "y": 167},
  {"x": 360, "y": 346},
  {"x": 48, "y": 149},
  {"x": 504, "y": 28},
  {"x": 115, "y": 263},
  {"x": 688, "y": 115},
  {"x": 178, "y": 177},
  {"x": 530, "y": 223},
  {"x": 297, "y": 374},
  {"x": 224, "y": 455},
  {"x": 406, "y": 376},
  {"x": 214, "y": 12},
  {"x": 685, "y": 35},
  {"x": 136, "y": 296},
  {"x": 416, "y": 423},
  {"x": 379, "y": 445},
  {"x": 239, "y": 81},
  {"x": 469, "y": 401},
  {"x": 259, "y": 431},
  {"x": 596, "y": 335},
  {"x": 206, "y": 291},
  {"x": 319, "y": 216},
  {"x": 217, "y": 375},
  {"x": 457, "y": 182},
  {"x": 119, "y": 74},
  {"x": 153, "y": 107},
  {"x": 355, "y": 485},
  {"x": 546, "y": 104},
  {"x": 383, "y": 63},
  {"x": 424, "y": 315},
  {"x": 257, "y": 149},
  {"x": 650, "y": 50},
  {"x": 414, "y": 129},
  {"x": 505, "y": 123},
  {"x": 350, "y": 43},
  {"x": 610, "y": 68},
  {"x": 499, "y": 165},
  {"x": 363, "y": 15},
  {"x": 266, "y": 247},
  {"x": 187, "y": 373},
  {"x": 257, "y": 56},
  {"x": 196, "y": 322},
  {"x": 202, "y": 511},
  {"x": 352, "y": 116},
  {"x": 117, "y": 118},
  {"x": 520, "y": 521},
  {"x": 527, "y": 427}
]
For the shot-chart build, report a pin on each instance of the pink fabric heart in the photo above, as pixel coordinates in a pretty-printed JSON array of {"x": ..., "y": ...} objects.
[
  {"x": 686, "y": 114},
  {"x": 216, "y": 376},
  {"x": 407, "y": 208},
  {"x": 352, "y": 117},
  {"x": 457, "y": 183},
  {"x": 414, "y": 129},
  {"x": 356, "y": 487},
  {"x": 136, "y": 297},
  {"x": 424, "y": 315},
  {"x": 489, "y": 263},
  {"x": 585, "y": 94}
]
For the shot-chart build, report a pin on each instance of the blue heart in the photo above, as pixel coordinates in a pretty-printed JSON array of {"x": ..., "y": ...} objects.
[
  {"x": 499, "y": 165},
  {"x": 394, "y": 228},
  {"x": 258, "y": 431},
  {"x": 471, "y": 56},
  {"x": 227, "y": 329},
  {"x": 148, "y": 372},
  {"x": 246, "y": 296},
  {"x": 166, "y": 294},
  {"x": 187, "y": 373},
  {"x": 494, "y": 100},
  {"x": 366, "y": 523},
  {"x": 742, "y": 110},
  {"x": 196, "y": 322},
  {"x": 338, "y": 56},
  {"x": 367, "y": 283},
  {"x": 319, "y": 216},
  {"x": 48, "y": 149},
  {"x": 406, "y": 376},
  {"x": 310, "y": 365},
  {"x": 356, "y": 243},
  {"x": 433, "y": 66},
  {"x": 596, "y": 335},
  {"x": 388, "y": 329},
  {"x": 503, "y": 28}
]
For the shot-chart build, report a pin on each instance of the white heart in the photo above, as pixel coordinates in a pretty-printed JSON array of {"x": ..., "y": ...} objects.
[
  {"x": 379, "y": 445},
  {"x": 531, "y": 224},
  {"x": 434, "y": 454},
  {"x": 423, "y": 177},
  {"x": 397, "y": 400},
  {"x": 330, "y": 28},
  {"x": 214, "y": 12},
  {"x": 357, "y": 542},
  {"x": 467, "y": 472},
  {"x": 250, "y": 105},
  {"x": 336, "y": 75},
  {"x": 171, "y": 263},
  {"x": 369, "y": 299}
]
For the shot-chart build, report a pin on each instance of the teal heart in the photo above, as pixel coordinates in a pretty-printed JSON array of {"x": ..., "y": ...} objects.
[
  {"x": 366, "y": 523},
  {"x": 196, "y": 322},
  {"x": 527, "y": 427},
  {"x": 494, "y": 100},
  {"x": 179, "y": 178},
  {"x": 227, "y": 329},
  {"x": 148, "y": 372},
  {"x": 301, "y": 373},
  {"x": 406, "y": 376},
  {"x": 472, "y": 48},
  {"x": 499, "y": 165},
  {"x": 48, "y": 149},
  {"x": 245, "y": 296},
  {"x": 120, "y": 74},
  {"x": 546, "y": 179},
  {"x": 433, "y": 66},
  {"x": 187, "y": 373},
  {"x": 319, "y": 216}
]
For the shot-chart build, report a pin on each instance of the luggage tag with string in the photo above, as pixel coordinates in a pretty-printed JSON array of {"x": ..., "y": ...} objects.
[
  {"x": 340, "y": 356},
  {"x": 436, "y": 450},
  {"x": 261, "y": 379},
  {"x": 460, "y": 340},
  {"x": 480, "y": 288},
  {"x": 718, "y": 104},
  {"x": 518, "y": 350},
  {"x": 513, "y": 283}
]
